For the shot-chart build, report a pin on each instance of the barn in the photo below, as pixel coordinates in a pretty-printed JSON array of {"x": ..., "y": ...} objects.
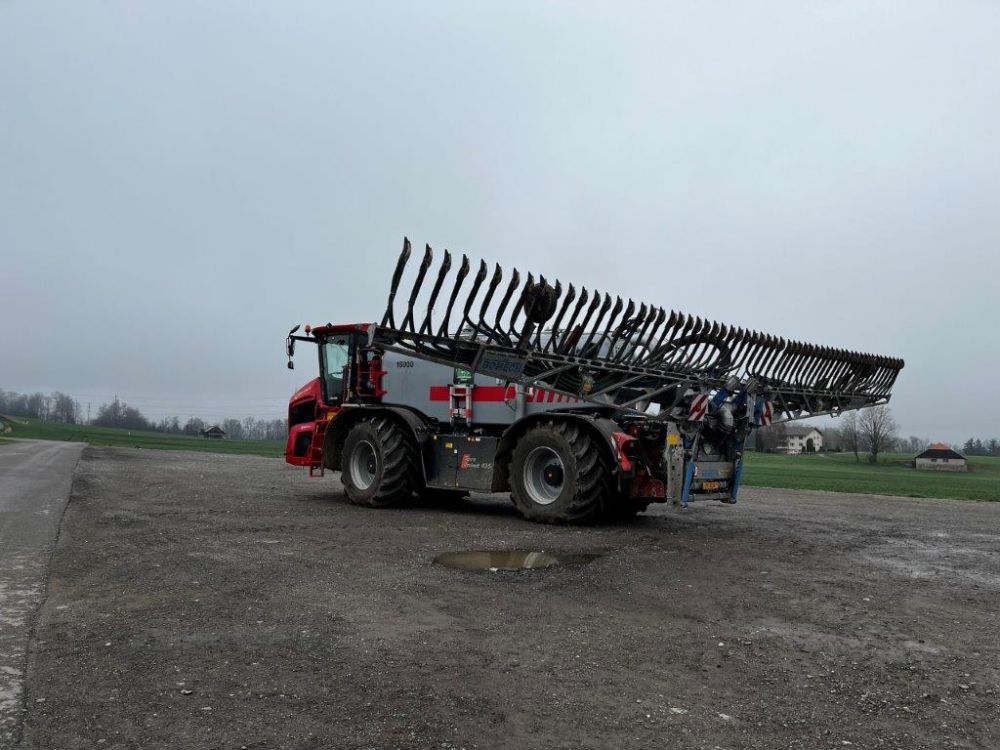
[{"x": 940, "y": 457}]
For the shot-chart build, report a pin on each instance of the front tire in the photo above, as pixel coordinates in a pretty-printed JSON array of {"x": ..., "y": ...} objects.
[
  {"x": 379, "y": 464},
  {"x": 560, "y": 474}
]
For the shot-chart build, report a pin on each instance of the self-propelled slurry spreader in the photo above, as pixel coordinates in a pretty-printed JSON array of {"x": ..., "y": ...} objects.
[{"x": 581, "y": 405}]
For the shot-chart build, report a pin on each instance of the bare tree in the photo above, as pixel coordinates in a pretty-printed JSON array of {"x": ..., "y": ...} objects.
[
  {"x": 769, "y": 439},
  {"x": 878, "y": 430},
  {"x": 850, "y": 434}
]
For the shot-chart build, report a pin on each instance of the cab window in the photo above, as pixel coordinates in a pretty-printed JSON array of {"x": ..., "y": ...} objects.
[{"x": 336, "y": 357}]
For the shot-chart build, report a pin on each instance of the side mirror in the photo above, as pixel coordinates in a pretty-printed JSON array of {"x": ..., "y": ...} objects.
[{"x": 290, "y": 347}]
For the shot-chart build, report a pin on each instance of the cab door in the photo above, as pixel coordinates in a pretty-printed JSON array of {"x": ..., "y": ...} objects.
[{"x": 336, "y": 354}]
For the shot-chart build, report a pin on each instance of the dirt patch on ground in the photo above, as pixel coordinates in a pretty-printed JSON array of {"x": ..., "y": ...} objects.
[{"x": 228, "y": 602}]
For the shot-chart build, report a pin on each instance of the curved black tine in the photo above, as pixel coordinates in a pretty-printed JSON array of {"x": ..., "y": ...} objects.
[
  {"x": 529, "y": 284},
  {"x": 621, "y": 327},
  {"x": 677, "y": 345},
  {"x": 427, "y": 326},
  {"x": 669, "y": 331},
  {"x": 554, "y": 336},
  {"x": 511, "y": 287},
  {"x": 650, "y": 326},
  {"x": 625, "y": 348},
  {"x": 463, "y": 271},
  {"x": 389, "y": 319},
  {"x": 605, "y": 306},
  {"x": 594, "y": 303},
  {"x": 408, "y": 322},
  {"x": 476, "y": 283},
  {"x": 566, "y": 341},
  {"x": 494, "y": 283},
  {"x": 611, "y": 324}
]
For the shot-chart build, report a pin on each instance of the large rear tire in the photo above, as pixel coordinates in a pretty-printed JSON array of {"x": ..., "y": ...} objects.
[
  {"x": 380, "y": 464},
  {"x": 560, "y": 474}
]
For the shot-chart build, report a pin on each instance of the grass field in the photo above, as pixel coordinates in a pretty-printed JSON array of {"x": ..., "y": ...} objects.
[
  {"x": 137, "y": 439},
  {"x": 833, "y": 472},
  {"x": 838, "y": 472}
]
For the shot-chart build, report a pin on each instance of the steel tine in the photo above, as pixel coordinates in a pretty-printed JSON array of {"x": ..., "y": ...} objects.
[
  {"x": 620, "y": 328},
  {"x": 463, "y": 271},
  {"x": 713, "y": 350},
  {"x": 763, "y": 346},
  {"x": 788, "y": 361},
  {"x": 813, "y": 365},
  {"x": 889, "y": 370},
  {"x": 566, "y": 340},
  {"x": 768, "y": 346},
  {"x": 426, "y": 326},
  {"x": 708, "y": 345},
  {"x": 642, "y": 348},
  {"x": 722, "y": 350},
  {"x": 679, "y": 356},
  {"x": 529, "y": 283},
  {"x": 585, "y": 323},
  {"x": 673, "y": 328},
  {"x": 746, "y": 349},
  {"x": 653, "y": 322},
  {"x": 515, "y": 280},
  {"x": 816, "y": 365},
  {"x": 389, "y": 318},
  {"x": 490, "y": 290},
  {"x": 824, "y": 377},
  {"x": 664, "y": 332},
  {"x": 733, "y": 343},
  {"x": 554, "y": 335},
  {"x": 677, "y": 342},
  {"x": 408, "y": 322},
  {"x": 803, "y": 366},
  {"x": 820, "y": 374},
  {"x": 605, "y": 306},
  {"x": 697, "y": 347},
  {"x": 470, "y": 301},
  {"x": 626, "y": 348},
  {"x": 611, "y": 324},
  {"x": 747, "y": 346},
  {"x": 778, "y": 346}
]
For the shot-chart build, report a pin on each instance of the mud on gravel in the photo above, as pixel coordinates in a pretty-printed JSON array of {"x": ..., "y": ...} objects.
[{"x": 201, "y": 601}]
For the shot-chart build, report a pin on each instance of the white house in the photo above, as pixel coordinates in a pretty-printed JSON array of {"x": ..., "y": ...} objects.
[
  {"x": 940, "y": 457},
  {"x": 801, "y": 440}
]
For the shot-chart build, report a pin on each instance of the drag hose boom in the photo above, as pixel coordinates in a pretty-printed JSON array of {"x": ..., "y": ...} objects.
[{"x": 614, "y": 353}]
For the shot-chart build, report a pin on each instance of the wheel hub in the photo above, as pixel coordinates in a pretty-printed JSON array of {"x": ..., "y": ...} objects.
[
  {"x": 544, "y": 475},
  {"x": 363, "y": 465}
]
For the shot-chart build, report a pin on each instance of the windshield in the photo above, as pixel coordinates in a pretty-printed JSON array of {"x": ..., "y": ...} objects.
[{"x": 336, "y": 353}]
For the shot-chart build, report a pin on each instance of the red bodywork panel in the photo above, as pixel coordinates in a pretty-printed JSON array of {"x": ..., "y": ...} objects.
[{"x": 303, "y": 430}]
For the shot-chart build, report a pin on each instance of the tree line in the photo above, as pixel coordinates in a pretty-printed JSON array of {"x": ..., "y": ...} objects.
[
  {"x": 58, "y": 407},
  {"x": 978, "y": 447}
]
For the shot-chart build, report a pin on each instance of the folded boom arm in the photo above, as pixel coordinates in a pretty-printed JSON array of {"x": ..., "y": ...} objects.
[{"x": 613, "y": 353}]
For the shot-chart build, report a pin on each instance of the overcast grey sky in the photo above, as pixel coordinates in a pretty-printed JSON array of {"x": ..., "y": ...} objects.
[{"x": 181, "y": 182}]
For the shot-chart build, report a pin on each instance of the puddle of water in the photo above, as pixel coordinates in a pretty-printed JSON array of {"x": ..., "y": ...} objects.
[{"x": 510, "y": 560}]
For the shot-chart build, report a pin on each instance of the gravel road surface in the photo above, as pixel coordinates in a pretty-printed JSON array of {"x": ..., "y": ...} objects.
[
  {"x": 201, "y": 601},
  {"x": 34, "y": 486}
]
